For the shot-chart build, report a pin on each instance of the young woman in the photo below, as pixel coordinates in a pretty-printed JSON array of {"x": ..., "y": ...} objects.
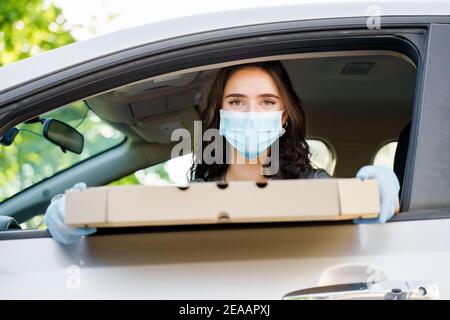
[
  {"x": 256, "y": 97},
  {"x": 262, "y": 130}
]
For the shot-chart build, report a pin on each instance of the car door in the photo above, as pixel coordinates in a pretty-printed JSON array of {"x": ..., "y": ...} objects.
[{"x": 411, "y": 253}]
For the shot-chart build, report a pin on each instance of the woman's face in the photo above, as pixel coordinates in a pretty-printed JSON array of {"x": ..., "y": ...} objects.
[{"x": 251, "y": 90}]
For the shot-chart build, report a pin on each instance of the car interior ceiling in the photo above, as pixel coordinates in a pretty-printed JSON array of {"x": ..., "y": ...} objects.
[{"x": 354, "y": 103}]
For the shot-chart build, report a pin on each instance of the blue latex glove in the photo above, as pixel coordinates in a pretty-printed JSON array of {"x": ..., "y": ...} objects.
[
  {"x": 389, "y": 188},
  {"x": 54, "y": 219}
]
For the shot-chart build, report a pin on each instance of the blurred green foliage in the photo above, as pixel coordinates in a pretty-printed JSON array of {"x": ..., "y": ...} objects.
[
  {"x": 158, "y": 172},
  {"x": 28, "y": 27}
]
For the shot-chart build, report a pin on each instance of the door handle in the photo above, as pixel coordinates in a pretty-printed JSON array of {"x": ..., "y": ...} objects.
[{"x": 384, "y": 290}]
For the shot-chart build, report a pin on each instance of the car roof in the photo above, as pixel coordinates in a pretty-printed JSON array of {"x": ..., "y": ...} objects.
[{"x": 73, "y": 54}]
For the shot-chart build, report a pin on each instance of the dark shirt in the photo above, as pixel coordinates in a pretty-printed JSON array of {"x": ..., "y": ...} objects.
[
  {"x": 317, "y": 174},
  {"x": 312, "y": 174}
]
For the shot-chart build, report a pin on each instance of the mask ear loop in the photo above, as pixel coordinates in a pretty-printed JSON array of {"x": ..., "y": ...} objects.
[{"x": 283, "y": 129}]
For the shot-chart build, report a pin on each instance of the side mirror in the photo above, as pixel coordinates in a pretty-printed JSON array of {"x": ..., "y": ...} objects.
[{"x": 63, "y": 135}]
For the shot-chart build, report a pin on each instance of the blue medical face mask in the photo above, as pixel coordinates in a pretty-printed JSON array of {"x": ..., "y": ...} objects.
[{"x": 251, "y": 133}]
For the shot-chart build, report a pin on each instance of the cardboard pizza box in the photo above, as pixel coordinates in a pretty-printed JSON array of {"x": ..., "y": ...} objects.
[{"x": 233, "y": 202}]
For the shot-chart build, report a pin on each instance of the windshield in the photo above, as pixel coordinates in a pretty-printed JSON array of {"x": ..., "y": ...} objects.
[{"x": 32, "y": 158}]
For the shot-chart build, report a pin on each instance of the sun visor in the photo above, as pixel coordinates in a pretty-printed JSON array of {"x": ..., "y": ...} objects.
[
  {"x": 159, "y": 129},
  {"x": 151, "y": 107}
]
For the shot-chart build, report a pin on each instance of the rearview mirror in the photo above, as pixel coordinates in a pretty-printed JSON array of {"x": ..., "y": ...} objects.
[{"x": 63, "y": 135}]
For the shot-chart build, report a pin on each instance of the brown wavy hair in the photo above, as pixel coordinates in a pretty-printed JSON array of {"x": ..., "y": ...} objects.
[{"x": 294, "y": 152}]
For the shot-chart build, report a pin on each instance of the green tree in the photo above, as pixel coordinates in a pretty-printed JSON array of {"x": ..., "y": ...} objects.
[{"x": 28, "y": 27}]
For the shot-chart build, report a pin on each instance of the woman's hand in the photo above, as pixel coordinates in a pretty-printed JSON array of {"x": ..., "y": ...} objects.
[
  {"x": 54, "y": 219},
  {"x": 389, "y": 188}
]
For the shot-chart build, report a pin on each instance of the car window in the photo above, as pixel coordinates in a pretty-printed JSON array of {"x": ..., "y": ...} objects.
[
  {"x": 32, "y": 158},
  {"x": 153, "y": 117},
  {"x": 385, "y": 155}
]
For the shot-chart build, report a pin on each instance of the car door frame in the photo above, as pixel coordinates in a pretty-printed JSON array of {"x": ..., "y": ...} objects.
[{"x": 105, "y": 73}]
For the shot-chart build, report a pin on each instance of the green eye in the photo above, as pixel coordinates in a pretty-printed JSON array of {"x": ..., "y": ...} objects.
[
  {"x": 233, "y": 102},
  {"x": 269, "y": 102}
]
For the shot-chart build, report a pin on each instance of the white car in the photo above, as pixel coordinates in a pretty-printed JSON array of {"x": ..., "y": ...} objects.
[{"x": 369, "y": 76}]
